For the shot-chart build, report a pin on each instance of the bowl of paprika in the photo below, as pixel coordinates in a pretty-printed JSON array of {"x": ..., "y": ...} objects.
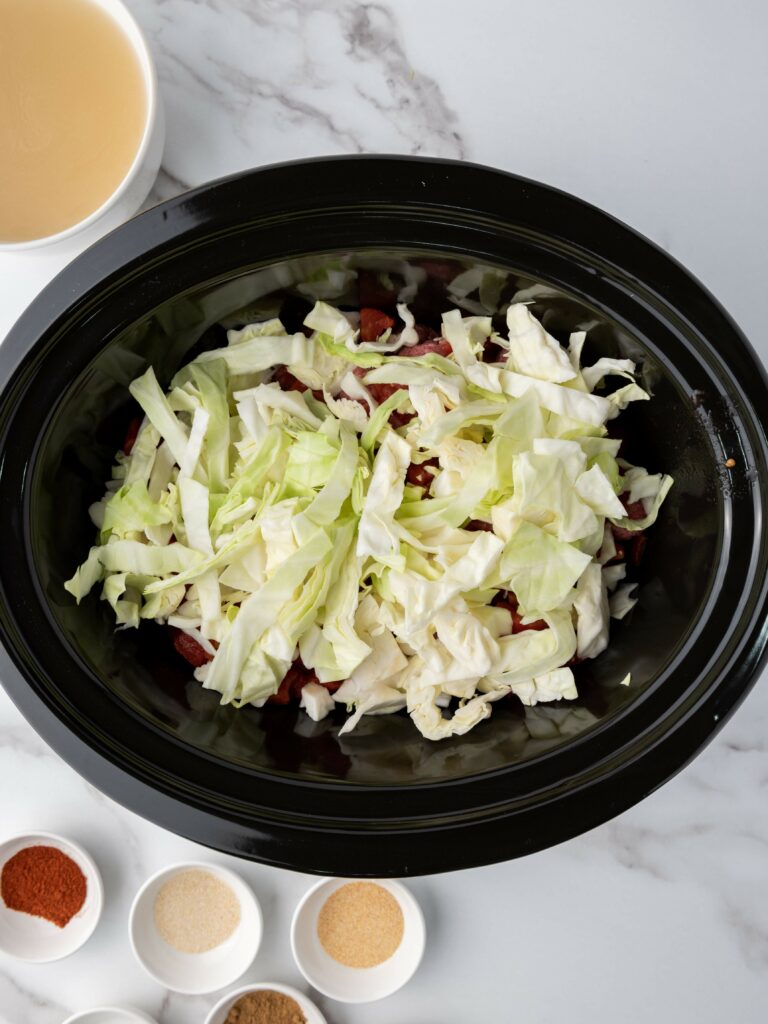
[{"x": 51, "y": 896}]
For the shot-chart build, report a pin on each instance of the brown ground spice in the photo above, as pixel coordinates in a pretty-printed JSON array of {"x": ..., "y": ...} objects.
[
  {"x": 360, "y": 924},
  {"x": 266, "y": 1007}
]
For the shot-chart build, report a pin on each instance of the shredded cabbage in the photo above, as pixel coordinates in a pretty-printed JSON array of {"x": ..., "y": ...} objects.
[{"x": 435, "y": 547}]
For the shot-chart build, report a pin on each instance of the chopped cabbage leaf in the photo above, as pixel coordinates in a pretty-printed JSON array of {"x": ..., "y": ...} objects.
[{"x": 424, "y": 531}]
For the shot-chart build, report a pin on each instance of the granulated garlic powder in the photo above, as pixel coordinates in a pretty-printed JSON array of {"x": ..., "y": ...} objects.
[
  {"x": 195, "y": 911},
  {"x": 360, "y": 924}
]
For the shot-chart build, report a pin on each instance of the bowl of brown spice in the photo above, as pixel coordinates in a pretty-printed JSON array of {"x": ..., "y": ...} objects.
[
  {"x": 266, "y": 1003},
  {"x": 51, "y": 896},
  {"x": 358, "y": 941}
]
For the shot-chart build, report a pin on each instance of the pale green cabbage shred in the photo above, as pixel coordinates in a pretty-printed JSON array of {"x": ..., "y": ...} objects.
[{"x": 268, "y": 524}]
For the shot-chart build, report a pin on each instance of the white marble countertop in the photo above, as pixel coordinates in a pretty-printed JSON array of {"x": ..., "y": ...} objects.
[{"x": 653, "y": 112}]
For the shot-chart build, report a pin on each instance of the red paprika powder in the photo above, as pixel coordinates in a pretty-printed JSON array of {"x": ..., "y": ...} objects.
[{"x": 45, "y": 882}]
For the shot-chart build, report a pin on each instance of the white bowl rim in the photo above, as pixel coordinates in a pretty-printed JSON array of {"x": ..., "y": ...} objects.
[
  {"x": 94, "y": 875},
  {"x": 131, "y": 1015},
  {"x": 402, "y": 891},
  {"x": 175, "y": 868},
  {"x": 141, "y": 46}
]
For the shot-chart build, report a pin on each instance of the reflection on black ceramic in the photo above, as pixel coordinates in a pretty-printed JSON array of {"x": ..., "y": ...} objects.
[{"x": 269, "y": 783}]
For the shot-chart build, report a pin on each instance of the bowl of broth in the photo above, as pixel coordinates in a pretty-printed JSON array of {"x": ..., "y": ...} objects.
[{"x": 81, "y": 127}]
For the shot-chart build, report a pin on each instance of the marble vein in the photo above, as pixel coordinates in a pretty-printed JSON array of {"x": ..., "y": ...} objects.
[
  {"x": 22, "y": 1005},
  {"x": 263, "y": 82}
]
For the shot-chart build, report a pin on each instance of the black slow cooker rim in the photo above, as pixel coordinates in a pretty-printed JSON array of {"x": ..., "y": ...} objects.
[{"x": 640, "y": 763}]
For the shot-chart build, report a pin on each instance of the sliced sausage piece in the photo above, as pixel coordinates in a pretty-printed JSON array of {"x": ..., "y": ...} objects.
[
  {"x": 519, "y": 627},
  {"x": 288, "y": 382},
  {"x": 381, "y": 392},
  {"x": 399, "y": 419},
  {"x": 373, "y": 323},
  {"x": 493, "y": 353},
  {"x": 506, "y": 599},
  {"x": 190, "y": 650},
  {"x": 439, "y": 347},
  {"x": 619, "y": 556},
  {"x": 478, "y": 525},
  {"x": 425, "y": 333},
  {"x": 131, "y": 434},
  {"x": 422, "y": 475},
  {"x": 637, "y": 548},
  {"x": 294, "y": 681},
  {"x": 622, "y": 533},
  {"x": 635, "y": 510}
]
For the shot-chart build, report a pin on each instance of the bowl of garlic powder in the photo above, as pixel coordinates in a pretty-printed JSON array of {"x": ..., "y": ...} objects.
[{"x": 358, "y": 941}]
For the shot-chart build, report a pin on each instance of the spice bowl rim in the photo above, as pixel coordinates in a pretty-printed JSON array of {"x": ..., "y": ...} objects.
[
  {"x": 415, "y": 931},
  {"x": 242, "y": 890},
  {"x": 94, "y": 891},
  {"x": 129, "y": 1013},
  {"x": 307, "y": 1007}
]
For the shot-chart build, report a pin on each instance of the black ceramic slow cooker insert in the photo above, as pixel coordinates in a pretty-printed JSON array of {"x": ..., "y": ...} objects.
[{"x": 269, "y": 784}]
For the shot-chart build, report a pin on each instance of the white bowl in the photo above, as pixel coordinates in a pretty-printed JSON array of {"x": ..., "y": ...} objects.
[
  {"x": 135, "y": 186},
  {"x": 219, "y": 1013},
  {"x": 355, "y": 984},
  {"x": 194, "y": 973},
  {"x": 33, "y": 938},
  {"x": 110, "y": 1015}
]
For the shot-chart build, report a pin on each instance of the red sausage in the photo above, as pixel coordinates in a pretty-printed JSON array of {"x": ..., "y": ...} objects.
[
  {"x": 506, "y": 599},
  {"x": 518, "y": 627},
  {"x": 477, "y": 525},
  {"x": 131, "y": 434},
  {"x": 619, "y": 556},
  {"x": 493, "y": 353},
  {"x": 621, "y": 533},
  {"x": 381, "y": 392},
  {"x": 420, "y": 476},
  {"x": 294, "y": 681},
  {"x": 288, "y": 382},
  {"x": 439, "y": 346},
  {"x": 425, "y": 333},
  {"x": 637, "y": 548},
  {"x": 189, "y": 648},
  {"x": 635, "y": 510},
  {"x": 373, "y": 323}
]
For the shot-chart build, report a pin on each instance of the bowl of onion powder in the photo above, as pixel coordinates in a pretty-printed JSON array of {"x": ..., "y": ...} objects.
[{"x": 195, "y": 927}]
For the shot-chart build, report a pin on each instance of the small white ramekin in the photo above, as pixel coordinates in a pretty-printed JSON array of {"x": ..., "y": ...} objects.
[
  {"x": 195, "y": 973},
  {"x": 110, "y": 1015},
  {"x": 33, "y": 938},
  {"x": 354, "y": 984},
  {"x": 135, "y": 186},
  {"x": 221, "y": 1010}
]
